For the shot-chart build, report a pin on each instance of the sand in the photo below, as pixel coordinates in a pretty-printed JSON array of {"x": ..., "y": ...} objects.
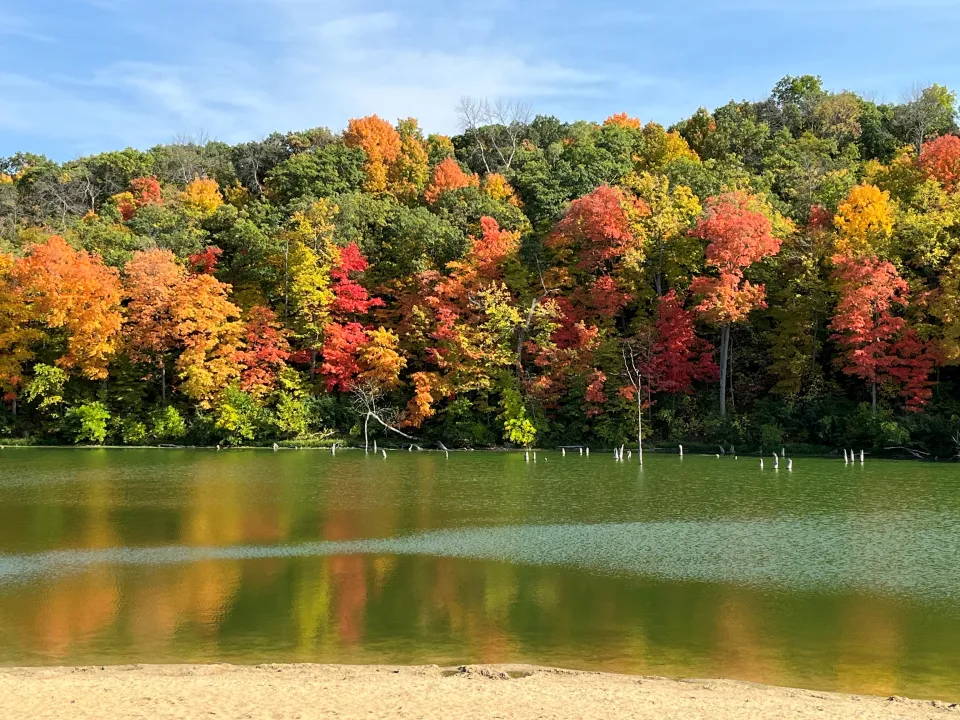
[{"x": 160, "y": 692}]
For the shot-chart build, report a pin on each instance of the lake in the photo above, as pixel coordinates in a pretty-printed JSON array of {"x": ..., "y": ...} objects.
[{"x": 830, "y": 576}]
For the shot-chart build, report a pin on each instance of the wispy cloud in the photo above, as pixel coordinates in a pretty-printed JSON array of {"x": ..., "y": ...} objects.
[
  {"x": 115, "y": 73},
  {"x": 315, "y": 69},
  {"x": 23, "y": 27}
]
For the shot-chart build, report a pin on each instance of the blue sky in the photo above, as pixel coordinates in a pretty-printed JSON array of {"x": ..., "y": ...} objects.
[{"x": 82, "y": 76}]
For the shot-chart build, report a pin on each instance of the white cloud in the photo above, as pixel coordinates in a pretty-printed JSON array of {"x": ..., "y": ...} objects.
[{"x": 306, "y": 67}]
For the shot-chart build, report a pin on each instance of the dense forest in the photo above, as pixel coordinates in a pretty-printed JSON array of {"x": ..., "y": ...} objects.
[{"x": 783, "y": 271}]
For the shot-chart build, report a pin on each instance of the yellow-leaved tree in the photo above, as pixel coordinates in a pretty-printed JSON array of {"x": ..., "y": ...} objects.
[{"x": 864, "y": 222}]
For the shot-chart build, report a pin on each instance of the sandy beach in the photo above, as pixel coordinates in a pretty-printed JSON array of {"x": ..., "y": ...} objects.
[{"x": 277, "y": 692}]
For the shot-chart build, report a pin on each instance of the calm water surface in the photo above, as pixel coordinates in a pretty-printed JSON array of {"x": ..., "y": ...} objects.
[{"x": 829, "y": 576}]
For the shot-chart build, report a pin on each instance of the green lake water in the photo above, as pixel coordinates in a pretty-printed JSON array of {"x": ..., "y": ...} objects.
[{"x": 831, "y": 576}]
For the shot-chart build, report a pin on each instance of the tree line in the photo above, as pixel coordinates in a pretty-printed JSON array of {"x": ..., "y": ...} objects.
[{"x": 782, "y": 271}]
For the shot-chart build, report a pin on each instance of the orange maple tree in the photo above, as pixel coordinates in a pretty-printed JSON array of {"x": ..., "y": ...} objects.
[
  {"x": 152, "y": 281},
  {"x": 74, "y": 291},
  {"x": 16, "y": 332},
  {"x": 623, "y": 120},
  {"x": 382, "y": 145},
  {"x": 448, "y": 176}
]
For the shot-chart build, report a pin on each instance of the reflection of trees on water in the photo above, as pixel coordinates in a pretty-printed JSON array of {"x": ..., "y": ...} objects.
[{"x": 379, "y": 608}]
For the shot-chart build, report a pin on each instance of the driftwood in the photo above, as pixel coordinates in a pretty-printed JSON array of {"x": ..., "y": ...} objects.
[{"x": 919, "y": 454}]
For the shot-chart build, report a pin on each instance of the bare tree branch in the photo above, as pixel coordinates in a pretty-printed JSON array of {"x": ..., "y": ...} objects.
[
  {"x": 496, "y": 127},
  {"x": 366, "y": 397}
]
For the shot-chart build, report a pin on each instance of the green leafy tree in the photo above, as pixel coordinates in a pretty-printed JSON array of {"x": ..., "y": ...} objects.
[{"x": 88, "y": 422}]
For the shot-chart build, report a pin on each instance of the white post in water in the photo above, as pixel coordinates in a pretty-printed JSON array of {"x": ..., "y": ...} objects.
[
  {"x": 776, "y": 462},
  {"x": 526, "y": 456},
  {"x": 783, "y": 453},
  {"x": 563, "y": 452},
  {"x": 534, "y": 455},
  {"x": 588, "y": 452},
  {"x": 681, "y": 451},
  {"x": 861, "y": 456},
  {"x": 581, "y": 451},
  {"x": 761, "y": 463},
  {"x": 384, "y": 454},
  {"x": 374, "y": 446},
  {"x": 845, "y": 461},
  {"x": 790, "y": 464}
]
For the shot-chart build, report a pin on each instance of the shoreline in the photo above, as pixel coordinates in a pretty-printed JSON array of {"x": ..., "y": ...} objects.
[
  {"x": 476, "y": 691},
  {"x": 654, "y": 450}
]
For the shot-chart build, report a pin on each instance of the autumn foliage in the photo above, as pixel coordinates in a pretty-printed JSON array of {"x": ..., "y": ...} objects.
[
  {"x": 623, "y": 120},
  {"x": 74, "y": 291},
  {"x": 940, "y": 160},
  {"x": 877, "y": 344},
  {"x": 448, "y": 176},
  {"x": 595, "y": 229},
  {"x": 264, "y": 353},
  {"x": 143, "y": 191},
  {"x": 201, "y": 197},
  {"x": 738, "y": 235},
  {"x": 382, "y": 145},
  {"x": 678, "y": 356},
  {"x": 529, "y": 281}
]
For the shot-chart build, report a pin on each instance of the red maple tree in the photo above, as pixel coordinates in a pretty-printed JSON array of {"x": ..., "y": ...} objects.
[
  {"x": 877, "y": 345},
  {"x": 739, "y": 236},
  {"x": 265, "y": 351},
  {"x": 344, "y": 336},
  {"x": 205, "y": 261},
  {"x": 678, "y": 357},
  {"x": 595, "y": 229},
  {"x": 940, "y": 159}
]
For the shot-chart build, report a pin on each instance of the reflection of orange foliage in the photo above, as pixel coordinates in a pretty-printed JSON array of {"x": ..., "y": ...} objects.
[
  {"x": 739, "y": 651},
  {"x": 73, "y": 611},
  {"x": 870, "y": 648},
  {"x": 204, "y": 590},
  {"x": 348, "y": 573},
  {"x": 214, "y": 513},
  {"x": 349, "y": 581},
  {"x": 152, "y": 608}
]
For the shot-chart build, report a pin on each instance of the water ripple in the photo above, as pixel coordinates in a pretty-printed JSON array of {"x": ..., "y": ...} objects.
[{"x": 889, "y": 555}]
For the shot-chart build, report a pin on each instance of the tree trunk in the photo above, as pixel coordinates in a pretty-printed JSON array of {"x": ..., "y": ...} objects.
[
  {"x": 640, "y": 424},
  {"x": 724, "y": 353},
  {"x": 366, "y": 440},
  {"x": 286, "y": 280},
  {"x": 733, "y": 399}
]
